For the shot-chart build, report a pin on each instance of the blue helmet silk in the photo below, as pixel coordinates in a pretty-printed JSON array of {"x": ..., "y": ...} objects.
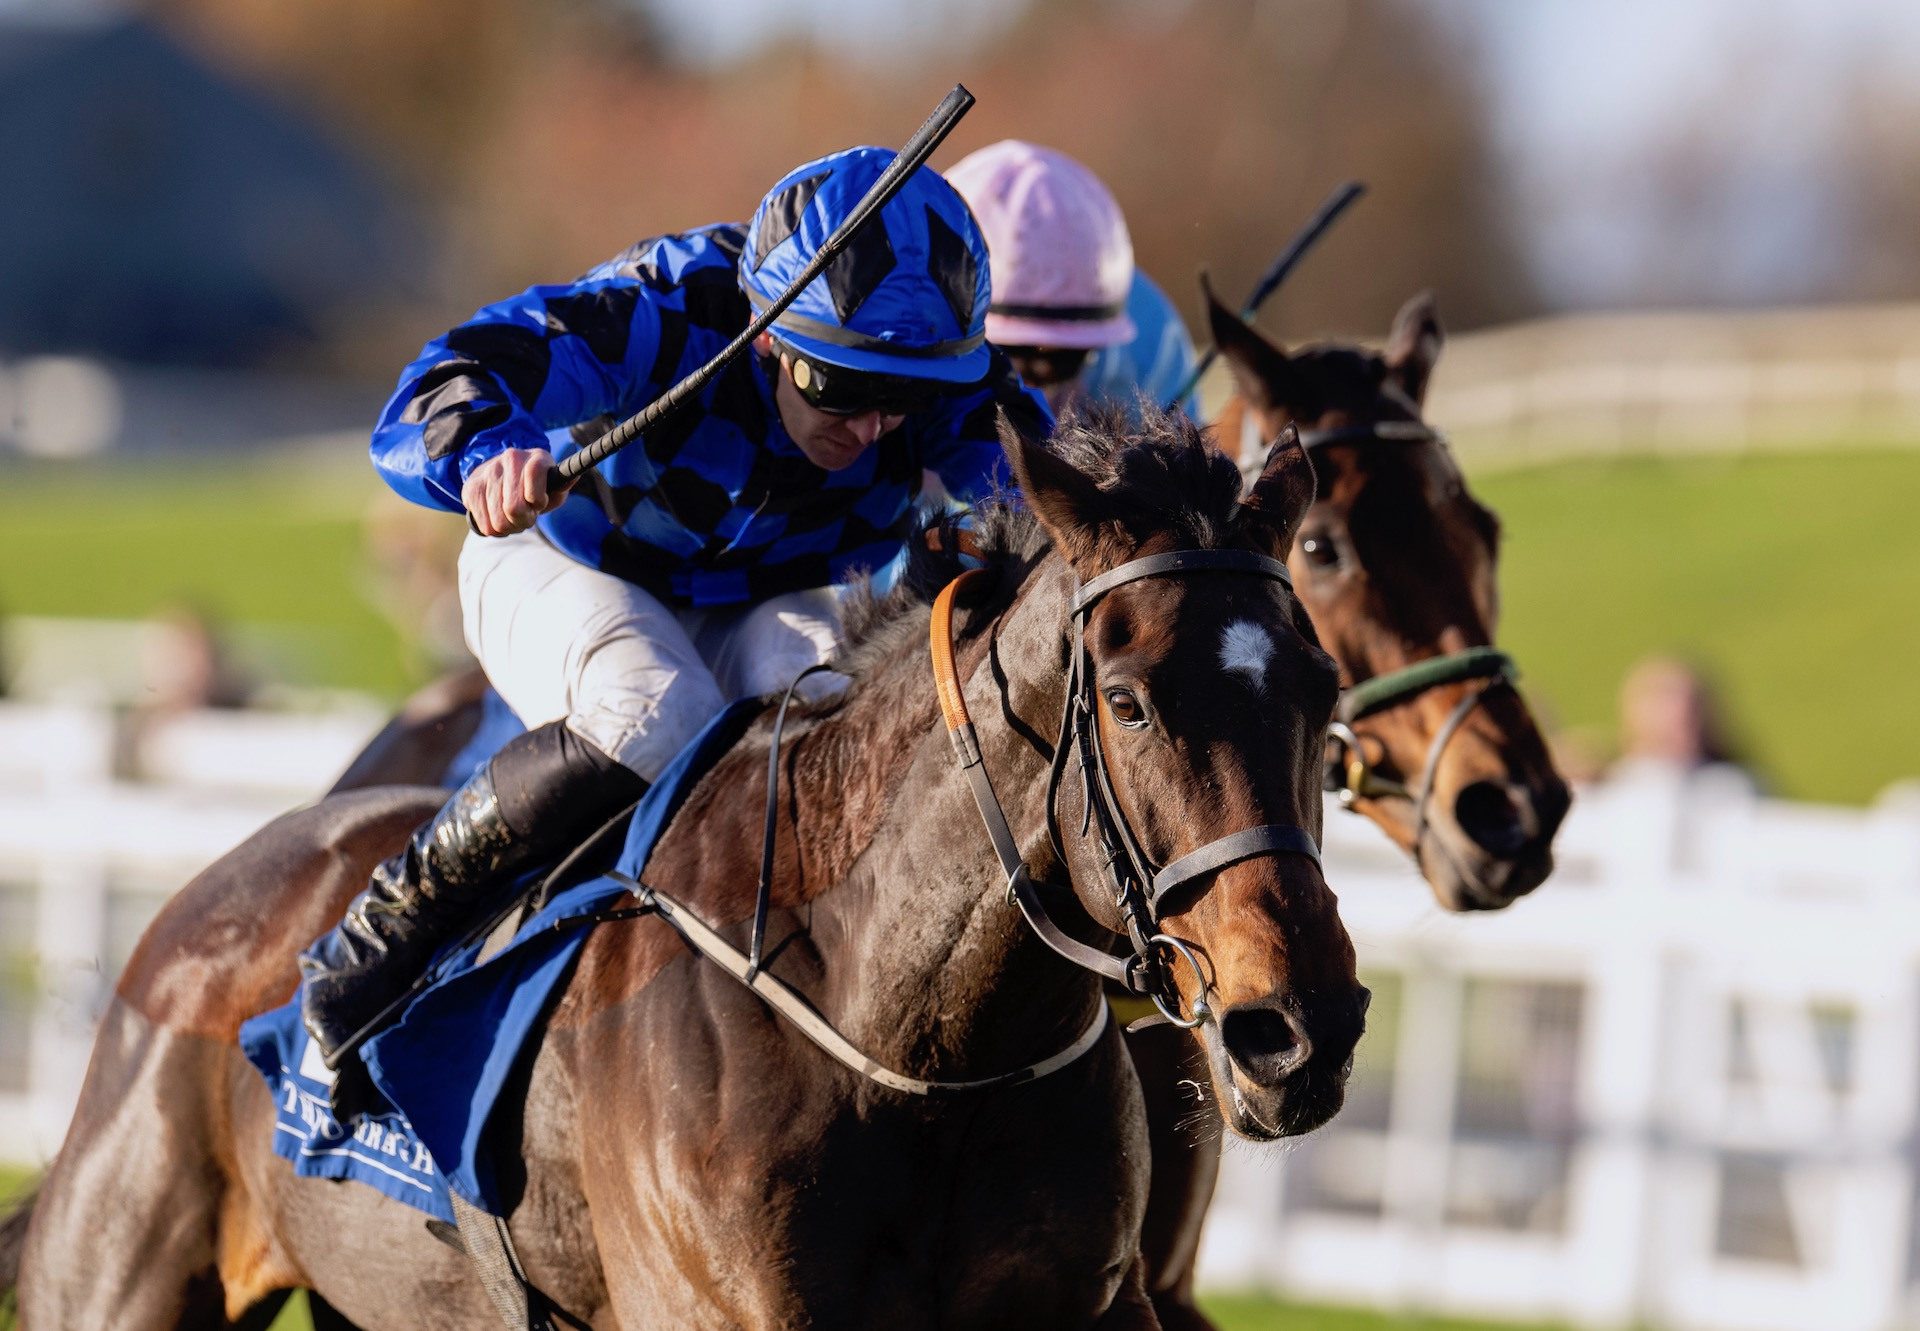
[{"x": 908, "y": 297}]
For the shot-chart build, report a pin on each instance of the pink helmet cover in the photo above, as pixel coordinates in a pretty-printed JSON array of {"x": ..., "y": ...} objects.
[{"x": 1061, "y": 258}]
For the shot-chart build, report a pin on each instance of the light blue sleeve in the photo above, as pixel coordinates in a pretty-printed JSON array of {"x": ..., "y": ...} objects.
[{"x": 1157, "y": 362}]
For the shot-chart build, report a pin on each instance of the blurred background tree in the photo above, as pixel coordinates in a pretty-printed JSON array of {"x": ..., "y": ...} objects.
[{"x": 547, "y": 136}]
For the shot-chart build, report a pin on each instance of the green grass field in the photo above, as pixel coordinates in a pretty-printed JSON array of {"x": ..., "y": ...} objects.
[
  {"x": 1791, "y": 578},
  {"x": 275, "y": 547}
]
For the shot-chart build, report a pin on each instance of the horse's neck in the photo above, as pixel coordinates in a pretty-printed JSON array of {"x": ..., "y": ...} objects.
[{"x": 923, "y": 955}]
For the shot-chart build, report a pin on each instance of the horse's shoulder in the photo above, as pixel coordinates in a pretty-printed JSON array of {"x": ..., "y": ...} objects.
[
  {"x": 708, "y": 859},
  {"x": 223, "y": 947}
]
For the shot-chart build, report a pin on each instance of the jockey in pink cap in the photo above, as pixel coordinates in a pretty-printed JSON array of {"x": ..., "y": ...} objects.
[{"x": 1068, "y": 306}]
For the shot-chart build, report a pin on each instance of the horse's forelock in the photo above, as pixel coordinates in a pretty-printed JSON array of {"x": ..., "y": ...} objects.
[
  {"x": 1347, "y": 377},
  {"x": 1158, "y": 469}
]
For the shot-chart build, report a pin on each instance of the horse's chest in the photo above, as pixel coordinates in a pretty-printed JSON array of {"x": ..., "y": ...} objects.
[
  {"x": 752, "y": 1183},
  {"x": 890, "y": 1218}
]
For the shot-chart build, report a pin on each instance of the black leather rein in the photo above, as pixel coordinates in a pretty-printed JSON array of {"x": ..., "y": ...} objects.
[{"x": 1140, "y": 888}]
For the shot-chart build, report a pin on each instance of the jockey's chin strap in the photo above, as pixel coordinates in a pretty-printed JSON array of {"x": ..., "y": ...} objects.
[{"x": 1140, "y": 888}]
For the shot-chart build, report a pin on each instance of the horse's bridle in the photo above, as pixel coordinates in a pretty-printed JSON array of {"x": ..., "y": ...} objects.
[
  {"x": 1348, "y": 774},
  {"x": 1140, "y": 888}
]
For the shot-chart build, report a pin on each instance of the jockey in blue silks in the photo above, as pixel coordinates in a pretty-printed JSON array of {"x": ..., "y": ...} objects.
[
  {"x": 695, "y": 566},
  {"x": 1069, "y": 307}
]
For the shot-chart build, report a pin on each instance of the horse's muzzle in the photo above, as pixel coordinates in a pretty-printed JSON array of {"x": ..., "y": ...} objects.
[
  {"x": 1281, "y": 1063},
  {"x": 1498, "y": 844}
]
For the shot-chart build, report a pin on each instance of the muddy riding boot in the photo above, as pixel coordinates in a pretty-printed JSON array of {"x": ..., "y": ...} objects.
[{"x": 541, "y": 795}]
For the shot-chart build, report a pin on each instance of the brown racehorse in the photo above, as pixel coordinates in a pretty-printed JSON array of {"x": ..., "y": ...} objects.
[
  {"x": 1396, "y": 566},
  {"x": 691, "y": 1161}
]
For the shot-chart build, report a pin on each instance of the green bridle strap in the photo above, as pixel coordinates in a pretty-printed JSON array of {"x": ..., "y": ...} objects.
[{"x": 1383, "y": 691}]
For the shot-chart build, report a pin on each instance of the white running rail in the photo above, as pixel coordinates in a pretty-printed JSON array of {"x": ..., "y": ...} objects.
[{"x": 1679, "y": 1086}]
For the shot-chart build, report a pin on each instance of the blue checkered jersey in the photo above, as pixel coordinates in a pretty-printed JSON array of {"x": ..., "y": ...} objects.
[
  {"x": 716, "y": 504},
  {"x": 1156, "y": 362}
]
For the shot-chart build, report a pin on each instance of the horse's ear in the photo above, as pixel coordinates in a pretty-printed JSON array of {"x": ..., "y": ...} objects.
[
  {"x": 1283, "y": 493},
  {"x": 1414, "y": 345},
  {"x": 1261, "y": 371},
  {"x": 1066, "y": 500}
]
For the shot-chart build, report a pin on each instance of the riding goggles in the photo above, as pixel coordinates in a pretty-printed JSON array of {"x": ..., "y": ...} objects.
[
  {"x": 839, "y": 391},
  {"x": 1045, "y": 367}
]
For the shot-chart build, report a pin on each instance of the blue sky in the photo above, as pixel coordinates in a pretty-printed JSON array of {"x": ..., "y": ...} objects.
[{"x": 1584, "y": 95}]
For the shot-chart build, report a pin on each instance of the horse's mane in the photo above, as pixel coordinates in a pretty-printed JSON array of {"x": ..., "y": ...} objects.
[{"x": 1156, "y": 468}]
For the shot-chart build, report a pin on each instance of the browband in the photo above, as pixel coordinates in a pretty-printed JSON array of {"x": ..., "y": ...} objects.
[
  {"x": 1384, "y": 432},
  {"x": 1179, "y": 561}
]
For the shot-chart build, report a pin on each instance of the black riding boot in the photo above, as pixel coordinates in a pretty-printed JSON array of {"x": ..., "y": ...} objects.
[{"x": 542, "y": 794}]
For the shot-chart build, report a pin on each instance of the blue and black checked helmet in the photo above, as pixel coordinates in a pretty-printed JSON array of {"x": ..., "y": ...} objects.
[{"x": 907, "y": 298}]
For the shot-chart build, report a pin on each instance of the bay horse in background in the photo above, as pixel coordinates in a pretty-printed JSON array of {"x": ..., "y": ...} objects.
[
  {"x": 1397, "y": 566},
  {"x": 1396, "y": 563},
  {"x": 689, "y": 1159}
]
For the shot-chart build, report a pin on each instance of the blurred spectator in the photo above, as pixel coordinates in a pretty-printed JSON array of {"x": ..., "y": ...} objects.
[
  {"x": 1671, "y": 727},
  {"x": 185, "y": 665}
]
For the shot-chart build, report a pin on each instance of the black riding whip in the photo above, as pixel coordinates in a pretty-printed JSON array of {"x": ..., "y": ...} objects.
[
  {"x": 912, "y": 154},
  {"x": 1296, "y": 249}
]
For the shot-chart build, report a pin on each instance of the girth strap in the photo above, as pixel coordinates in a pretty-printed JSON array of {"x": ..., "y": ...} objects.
[
  {"x": 1271, "y": 839},
  {"x": 488, "y": 1243}
]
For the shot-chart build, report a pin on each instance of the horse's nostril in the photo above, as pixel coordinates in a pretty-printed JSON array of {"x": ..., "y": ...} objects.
[
  {"x": 1495, "y": 816},
  {"x": 1264, "y": 1043}
]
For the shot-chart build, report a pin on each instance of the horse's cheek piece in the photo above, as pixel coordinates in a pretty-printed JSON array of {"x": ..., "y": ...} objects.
[
  {"x": 1358, "y": 781},
  {"x": 1139, "y": 887}
]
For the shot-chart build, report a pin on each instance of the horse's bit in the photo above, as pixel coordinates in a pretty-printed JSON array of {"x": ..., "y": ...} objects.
[
  {"x": 1348, "y": 774},
  {"x": 1140, "y": 888}
]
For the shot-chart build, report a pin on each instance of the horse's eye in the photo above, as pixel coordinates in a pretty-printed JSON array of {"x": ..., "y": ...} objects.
[
  {"x": 1320, "y": 550},
  {"x": 1126, "y": 708}
]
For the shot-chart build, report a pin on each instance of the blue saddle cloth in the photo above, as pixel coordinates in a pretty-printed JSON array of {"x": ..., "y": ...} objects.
[{"x": 443, "y": 1064}]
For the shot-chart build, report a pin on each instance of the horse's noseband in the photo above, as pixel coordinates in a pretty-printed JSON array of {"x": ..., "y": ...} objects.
[
  {"x": 1351, "y": 777},
  {"x": 1348, "y": 773},
  {"x": 1140, "y": 888}
]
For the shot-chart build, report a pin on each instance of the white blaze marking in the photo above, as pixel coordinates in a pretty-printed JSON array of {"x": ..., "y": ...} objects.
[{"x": 1246, "y": 647}]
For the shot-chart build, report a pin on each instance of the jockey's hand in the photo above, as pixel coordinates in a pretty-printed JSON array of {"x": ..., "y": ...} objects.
[{"x": 506, "y": 493}]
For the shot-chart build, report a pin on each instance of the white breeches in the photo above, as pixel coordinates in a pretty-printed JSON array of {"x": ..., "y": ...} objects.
[{"x": 633, "y": 676}]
